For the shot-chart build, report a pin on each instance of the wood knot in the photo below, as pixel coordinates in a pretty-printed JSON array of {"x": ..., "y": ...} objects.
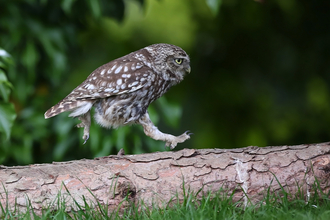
[
  {"x": 326, "y": 168},
  {"x": 323, "y": 164},
  {"x": 126, "y": 189}
]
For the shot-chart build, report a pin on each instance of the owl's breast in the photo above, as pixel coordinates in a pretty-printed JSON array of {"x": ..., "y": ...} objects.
[
  {"x": 120, "y": 110},
  {"x": 159, "y": 88}
]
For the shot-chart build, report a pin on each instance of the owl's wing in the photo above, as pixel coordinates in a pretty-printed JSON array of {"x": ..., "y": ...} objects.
[{"x": 113, "y": 78}]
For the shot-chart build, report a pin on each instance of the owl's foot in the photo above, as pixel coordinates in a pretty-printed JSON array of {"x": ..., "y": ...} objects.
[
  {"x": 152, "y": 131},
  {"x": 85, "y": 123},
  {"x": 172, "y": 141}
]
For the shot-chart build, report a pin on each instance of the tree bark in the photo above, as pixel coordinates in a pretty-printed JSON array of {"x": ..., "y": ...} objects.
[{"x": 156, "y": 178}]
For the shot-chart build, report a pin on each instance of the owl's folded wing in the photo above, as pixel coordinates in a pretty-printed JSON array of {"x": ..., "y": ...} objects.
[{"x": 114, "y": 79}]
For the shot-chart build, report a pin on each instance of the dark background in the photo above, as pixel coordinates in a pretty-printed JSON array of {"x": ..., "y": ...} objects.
[{"x": 260, "y": 72}]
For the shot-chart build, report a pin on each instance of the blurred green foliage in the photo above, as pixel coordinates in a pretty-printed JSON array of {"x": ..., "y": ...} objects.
[
  {"x": 260, "y": 72},
  {"x": 7, "y": 110}
]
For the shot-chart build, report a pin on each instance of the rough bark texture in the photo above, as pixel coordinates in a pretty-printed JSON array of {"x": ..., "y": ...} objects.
[{"x": 158, "y": 177}]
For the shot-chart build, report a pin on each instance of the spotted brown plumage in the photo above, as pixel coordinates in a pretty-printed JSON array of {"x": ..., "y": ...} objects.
[{"x": 122, "y": 90}]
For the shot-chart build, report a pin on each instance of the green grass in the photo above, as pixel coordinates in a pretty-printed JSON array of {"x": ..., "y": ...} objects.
[{"x": 275, "y": 205}]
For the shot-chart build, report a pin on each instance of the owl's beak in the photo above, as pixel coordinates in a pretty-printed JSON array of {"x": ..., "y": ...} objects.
[{"x": 187, "y": 69}]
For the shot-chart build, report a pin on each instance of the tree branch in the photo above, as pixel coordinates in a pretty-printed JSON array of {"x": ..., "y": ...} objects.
[{"x": 158, "y": 177}]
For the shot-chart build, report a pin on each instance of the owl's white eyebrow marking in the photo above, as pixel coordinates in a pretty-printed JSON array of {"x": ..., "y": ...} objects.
[
  {"x": 118, "y": 69},
  {"x": 102, "y": 73}
]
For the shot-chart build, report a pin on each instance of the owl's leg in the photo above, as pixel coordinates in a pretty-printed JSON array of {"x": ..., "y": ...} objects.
[
  {"x": 152, "y": 131},
  {"x": 85, "y": 123}
]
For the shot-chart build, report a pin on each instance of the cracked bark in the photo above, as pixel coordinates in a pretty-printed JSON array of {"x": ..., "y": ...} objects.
[{"x": 158, "y": 177}]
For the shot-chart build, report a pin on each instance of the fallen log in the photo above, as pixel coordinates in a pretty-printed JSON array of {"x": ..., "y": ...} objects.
[{"x": 156, "y": 178}]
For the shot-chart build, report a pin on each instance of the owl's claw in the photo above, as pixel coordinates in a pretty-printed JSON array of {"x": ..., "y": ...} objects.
[
  {"x": 188, "y": 133},
  {"x": 86, "y": 131},
  {"x": 85, "y": 137},
  {"x": 179, "y": 139}
]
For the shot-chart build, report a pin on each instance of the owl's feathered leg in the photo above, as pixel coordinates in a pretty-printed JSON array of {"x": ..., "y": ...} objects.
[
  {"x": 152, "y": 131},
  {"x": 85, "y": 123}
]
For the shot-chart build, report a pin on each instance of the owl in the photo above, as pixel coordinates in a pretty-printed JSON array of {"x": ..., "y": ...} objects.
[{"x": 121, "y": 91}]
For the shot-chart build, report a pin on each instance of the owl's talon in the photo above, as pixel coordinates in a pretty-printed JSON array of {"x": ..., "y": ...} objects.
[
  {"x": 188, "y": 133},
  {"x": 173, "y": 140},
  {"x": 85, "y": 137}
]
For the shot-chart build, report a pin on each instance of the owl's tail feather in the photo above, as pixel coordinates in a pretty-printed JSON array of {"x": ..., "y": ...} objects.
[{"x": 77, "y": 108}]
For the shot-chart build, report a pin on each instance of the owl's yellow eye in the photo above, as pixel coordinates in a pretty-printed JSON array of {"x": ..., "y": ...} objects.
[{"x": 178, "y": 60}]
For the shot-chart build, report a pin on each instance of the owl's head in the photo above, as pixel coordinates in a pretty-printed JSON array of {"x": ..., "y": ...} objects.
[
  {"x": 173, "y": 59},
  {"x": 179, "y": 63}
]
